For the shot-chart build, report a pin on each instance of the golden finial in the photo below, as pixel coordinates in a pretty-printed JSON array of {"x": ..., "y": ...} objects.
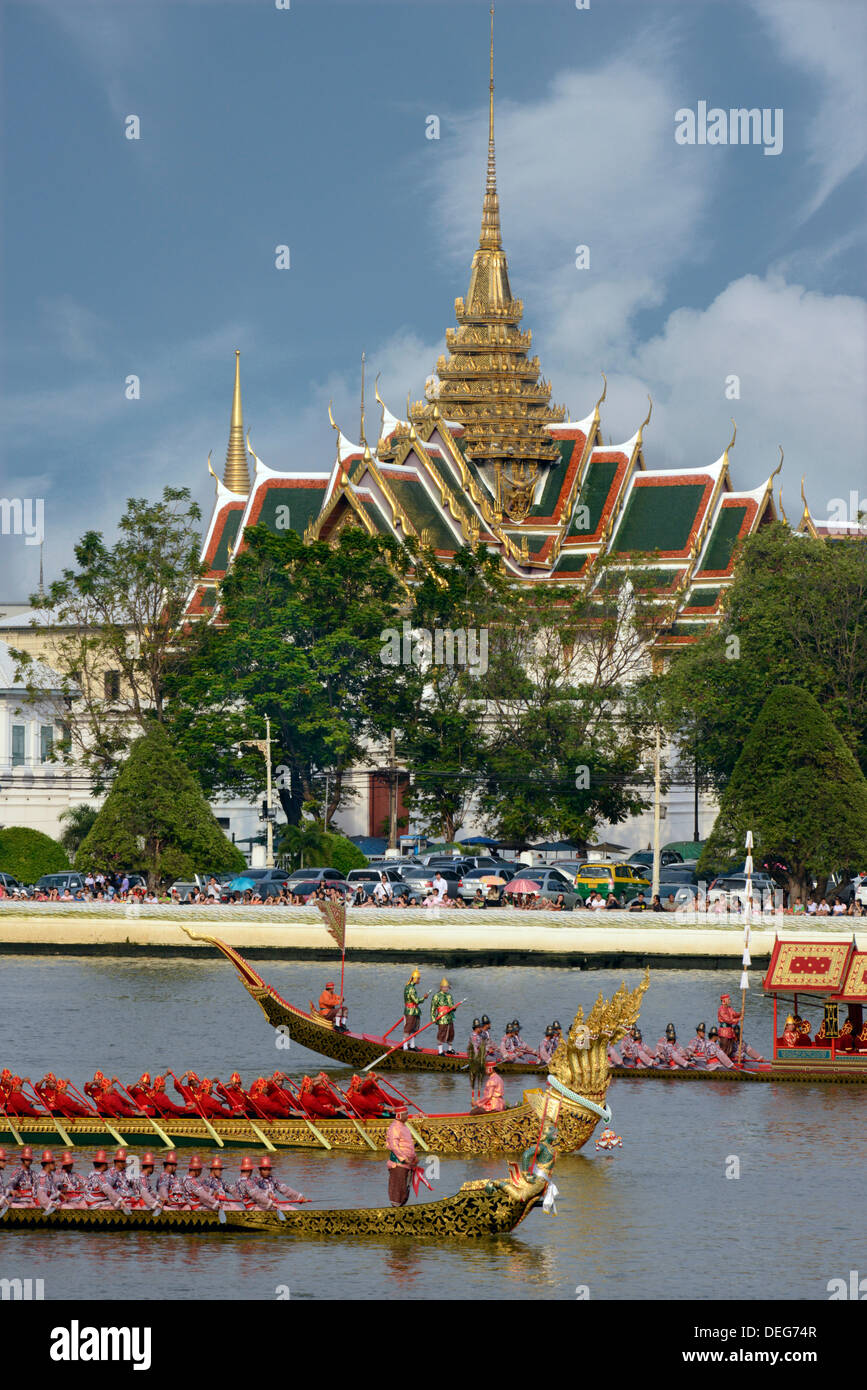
[
  {"x": 782, "y": 508},
  {"x": 731, "y": 443},
  {"x": 778, "y": 467},
  {"x": 334, "y": 424},
  {"x": 604, "y": 391},
  {"x": 236, "y": 474},
  {"x": 210, "y": 469},
  {"x": 646, "y": 420},
  {"x": 803, "y": 495},
  {"x": 363, "y": 438}
]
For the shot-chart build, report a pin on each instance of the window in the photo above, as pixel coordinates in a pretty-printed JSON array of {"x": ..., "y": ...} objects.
[
  {"x": 111, "y": 684},
  {"x": 17, "y": 745},
  {"x": 46, "y": 743}
]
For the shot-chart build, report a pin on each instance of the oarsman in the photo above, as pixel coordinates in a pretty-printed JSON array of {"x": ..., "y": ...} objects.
[
  {"x": 141, "y": 1093},
  {"x": 548, "y": 1045},
  {"x": 227, "y": 1196},
  {"x": 411, "y": 1010},
  {"x": 261, "y": 1190},
  {"x": 476, "y": 1037},
  {"x": 668, "y": 1054},
  {"x": 21, "y": 1183},
  {"x": 117, "y": 1179},
  {"x": 195, "y": 1192},
  {"x": 402, "y": 1159},
  {"x": 281, "y": 1194},
  {"x": 264, "y": 1102},
  {"x": 3, "y": 1162},
  {"x": 485, "y": 1030},
  {"x": 744, "y": 1052},
  {"x": 727, "y": 1017},
  {"x": 515, "y": 1049},
  {"x": 98, "y": 1190},
  {"x": 234, "y": 1094},
  {"x": 278, "y": 1092},
  {"x": 106, "y": 1099},
  {"x": 70, "y": 1187},
  {"x": 206, "y": 1102},
  {"x": 46, "y": 1184},
  {"x": 163, "y": 1104},
  {"x": 141, "y": 1187},
  {"x": 442, "y": 1013},
  {"x": 492, "y": 1097},
  {"x": 12, "y": 1098},
  {"x": 67, "y": 1104},
  {"x": 716, "y": 1058},
  {"x": 634, "y": 1053},
  {"x": 186, "y": 1086},
  {"x": 365, "y": 1096},
  {"x": 170, "y": 1189},
  {"x": 696, "y": 1050},
  {"x": 506, "y": 1049}
]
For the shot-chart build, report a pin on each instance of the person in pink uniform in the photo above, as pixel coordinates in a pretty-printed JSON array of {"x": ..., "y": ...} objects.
[
  {"x": 727, "y": 1017},
  {"x": 263, "y": 1190},
  {"x": 635, "y": 1054},
  {"x": 196, "y": 1192},
  {"x": 70, "y": 1186},
  {"x": 98, "y": 1191},
  {"x": 21, "y": 1183},
  {"x": 549, "y": 1044},
  {"x": 117, "y": 1179},
  {"x": 227, "y": 1196},
  {"x": 668, "y": 1054},
  {"x": 745, "y": 1053},
  {"x": 492, "y": 1098},
  {"x": 714, "y": 1054},
  {"x": 170, "y": 1188},
  {"x": 402, "y": 1158},
  {"x": 143, "y": 1194},
  {"x": 3, "y": 1162},
  {"x": 47, "y": 1195},
  {"x": 696, "y": 1050}
]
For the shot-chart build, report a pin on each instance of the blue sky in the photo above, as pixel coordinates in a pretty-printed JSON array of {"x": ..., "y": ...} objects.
[{"x": 307, "y": 127}]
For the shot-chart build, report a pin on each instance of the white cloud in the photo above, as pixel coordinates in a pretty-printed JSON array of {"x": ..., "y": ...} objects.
[{"x": 829, "y": 42}]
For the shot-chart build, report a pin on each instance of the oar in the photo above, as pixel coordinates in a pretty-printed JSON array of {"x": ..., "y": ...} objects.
[
  {"x": 157, "y": 1129},
  {"x": 309, "y": 1123},
  {"x": 58, "y": 1126},
  {"x": 14, "y": 1132},
  {"x": 208, "y": 1126},
  {"x": 391, "y": 1030},
  {"x": 410, "y": 1126},
  {"x": 115, "y": 1134},
  {"x": 415, "y": 1035},
  {"x": 260, "y": 1135},
  {"x": 356, "y": 1121}
]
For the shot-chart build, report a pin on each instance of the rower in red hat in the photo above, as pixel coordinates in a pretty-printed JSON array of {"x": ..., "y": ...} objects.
[
  {"x": 21, "y": 1184},
  {"x": 170, "y": 1190},
  {"x": 98, "y": 1191},
  {"x": 227, "y": 1196},
  {"x": 70, "y": 1187},
  {"x": 117, "y": 1179},
  {"x": 196, "y": 1193},
  {"x": 47, "y": 1195}
]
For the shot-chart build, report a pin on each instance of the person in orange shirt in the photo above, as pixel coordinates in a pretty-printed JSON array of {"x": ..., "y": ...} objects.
[{"x": 331, "y": 1006}]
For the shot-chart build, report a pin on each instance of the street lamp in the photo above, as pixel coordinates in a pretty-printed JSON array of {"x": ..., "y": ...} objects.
[{"x": 264, "y": 747}]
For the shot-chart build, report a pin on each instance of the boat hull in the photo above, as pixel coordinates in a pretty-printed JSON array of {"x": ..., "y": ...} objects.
[
  {"x": 477, "y": 1209},
  {"x": 843, "y": 1074},
  {"x": 507, "y": 1132}
]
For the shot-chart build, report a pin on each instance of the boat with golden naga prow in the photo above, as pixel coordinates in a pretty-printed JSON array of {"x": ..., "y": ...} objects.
[
  {"x": 481, "y": 1208},
  {"x": 309, "y": 1029},
  {"x": 574, "y": 1101}
]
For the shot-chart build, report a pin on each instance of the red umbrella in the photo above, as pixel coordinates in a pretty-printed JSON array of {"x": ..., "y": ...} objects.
[{"x": 521, "y": 885}]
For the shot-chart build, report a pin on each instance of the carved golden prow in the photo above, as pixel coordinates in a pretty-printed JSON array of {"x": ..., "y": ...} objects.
[{"x": 581, "y": 1060}]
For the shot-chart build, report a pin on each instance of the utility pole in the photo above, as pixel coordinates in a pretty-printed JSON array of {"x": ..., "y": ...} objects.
[
  {"x": 695, "y": 834},
  {"x": 656, "y": 797},
  {"x": 392, "y": 795},
  {"x": 264, "y": 747}
]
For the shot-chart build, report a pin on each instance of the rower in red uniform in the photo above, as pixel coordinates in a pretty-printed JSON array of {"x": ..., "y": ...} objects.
[
  {"x": 317, "y": 1099},
  {"x": 106, "y": 1099},
  {"x": 234, "y": 1094},
  {"x": 70, "y": 1187},
  {"x": 276, "y": 1091},
  {"x": 726, "y": 1018},
  {"x": 162, "y": 1103},
  {"x": 141, "y": 1093},
  {"x": 268, "y": 1101},
  {"x": 12, "y": 1098},
  {"x": 206, "y": 1102},
  {"x": 367, "y": 1098}
]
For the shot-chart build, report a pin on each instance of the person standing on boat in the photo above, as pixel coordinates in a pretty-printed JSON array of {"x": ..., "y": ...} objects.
[
  {"x": 412, "y": 1010},
  {"x": 402, "y": 1158},
  {"x": 727, "y": 1017},
  {"x": 70, "y": 1186},
  {"x": 442, "y": 1013}
]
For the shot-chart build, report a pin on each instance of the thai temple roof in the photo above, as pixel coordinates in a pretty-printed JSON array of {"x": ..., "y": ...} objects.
[{"x": 485, "y": 459}]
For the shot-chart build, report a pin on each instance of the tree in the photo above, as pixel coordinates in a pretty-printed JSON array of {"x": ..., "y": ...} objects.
[
  {"x": 796, "y": 614},
  {"x": 28, "y": 854},
  {"x": 113, "y": 630},
  {"x": 797, "y": 786},
  {"x": 299, "y": 639},
  {"x": 77, "y": 822},
  {"x": 156, "y": 820}
]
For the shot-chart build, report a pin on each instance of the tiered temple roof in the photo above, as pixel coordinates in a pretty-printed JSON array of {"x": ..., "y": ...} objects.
[{"x": 485, "y": 459}]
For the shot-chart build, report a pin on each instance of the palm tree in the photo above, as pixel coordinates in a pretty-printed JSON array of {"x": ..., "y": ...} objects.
[
  {"x": 302, "y": 842},
  {"x": 77, "y": 823}
]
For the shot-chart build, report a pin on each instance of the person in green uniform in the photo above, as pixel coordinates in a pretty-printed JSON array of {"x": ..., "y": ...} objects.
[
  {"x": 442, "y": 1013},
  {"x": 411, "y": 1010}
]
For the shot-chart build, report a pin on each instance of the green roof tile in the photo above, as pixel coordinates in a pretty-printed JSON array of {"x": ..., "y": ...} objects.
[
  {"x": 658, "y": 517},
  {"x": 594, "y": 494},
  {"x": 722, "y": 541}
]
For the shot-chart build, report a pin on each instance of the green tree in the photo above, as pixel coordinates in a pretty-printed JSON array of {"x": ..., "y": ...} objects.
[
  {"x": 28, "y": 854},
  {"x": 113, "y": 630},
  {"x": 299, "y": 638},
  {"x": 796, "y": 614},
  {"x": 77, "y": 822},
  {"x": 156, "y": 820},
  {"x": 797, "y": 786}
]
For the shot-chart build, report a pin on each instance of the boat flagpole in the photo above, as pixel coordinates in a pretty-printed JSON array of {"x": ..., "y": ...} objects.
[{"x": 745, "y": 981}]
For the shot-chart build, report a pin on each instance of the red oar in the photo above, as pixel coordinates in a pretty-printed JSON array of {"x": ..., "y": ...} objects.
[
  {"x": 381, "y": 1081},
  {"x": 392, "y": 1028},
  {"x": 399, "y": 1045},
  {"x": 157, "y": 1129},
  {"x": 194, "y": 1100},
  {"x": 25, "y": 1080}
]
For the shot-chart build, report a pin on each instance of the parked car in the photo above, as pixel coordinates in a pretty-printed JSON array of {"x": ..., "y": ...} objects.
[
  {"x": 473, "y": 880},
  {"x": 553, "y": 882},
  {"x": 422, "y": 878},
  {"x": 372, "y": 875},
  {"x": 733, "y": 887},
  {"x": 306, "y": 874},
  {"x": 73, "y": 881},
  {"x": 622, "y": 880},
  {"x": 9, "y": 883},
  {"x": 260, "y": 877},
  {"x": 684, "y": 894},
  {"x": 644, "y": 859}
]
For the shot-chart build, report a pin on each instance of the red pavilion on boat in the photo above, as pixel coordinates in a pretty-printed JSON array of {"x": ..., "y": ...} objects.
[{"x": 833, "y": 973}]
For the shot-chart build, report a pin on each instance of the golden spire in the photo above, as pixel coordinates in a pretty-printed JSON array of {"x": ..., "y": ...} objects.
[
  {"x": 236, "y": 474},
  {"x": 363, "y": 436},
  {"x": 490, "y": 239}
]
